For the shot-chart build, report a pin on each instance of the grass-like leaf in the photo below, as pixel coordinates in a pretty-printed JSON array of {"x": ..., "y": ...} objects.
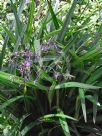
[
  {"x": 29, "y": 127},
  {"x": 10, "y": 34},
  {"x": 10, "y": 101},
  {"x": 76, "y": 84},
  {"x": 30, "y": 21},
  {"x": 82, "y": 97},
  {"x": 54, "y": 18},
  {"x": 58, "y": 115},
  {"x": 2, "y": 54},
  {"x": 64, "y": 124},
  {"x": 14, "y": 81},
  {"x": 95, "y": 107},
  {"x": 93, "y": 100},
  {"x": 18, "y": 23},
  {"x": 67, "y": 22}
]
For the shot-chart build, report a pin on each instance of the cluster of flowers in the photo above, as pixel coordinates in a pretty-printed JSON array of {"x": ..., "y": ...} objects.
[
  {"x": 24, "y": 59},
  {"x": 58, "y": 74},
  {"x": 50, "y": 46},
  {"x": 25, "y": 65}
]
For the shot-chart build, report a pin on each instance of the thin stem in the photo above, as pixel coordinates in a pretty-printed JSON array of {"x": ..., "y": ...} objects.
[
  {"x": 25, "y": 102},
  {"x": 57, "y": 100}
]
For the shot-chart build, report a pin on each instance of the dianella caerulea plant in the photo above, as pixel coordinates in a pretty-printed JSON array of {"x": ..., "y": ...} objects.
[{"x": 51, "y": 68}]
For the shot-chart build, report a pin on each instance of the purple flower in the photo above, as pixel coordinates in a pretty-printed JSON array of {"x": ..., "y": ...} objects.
[
  {"x": 26, "y": 64},
  {"x": 27, "y": 1},
  {"x": 45, "y": 48},
  {"x": 28, "y": 53},
  {"x": 51, "y": 46},
  {"x": 21, "y": 70},
  {"x": 54, "y": 46},
  {"x": 37, "y": 2},
  {"x": 57, "y": 75},
  {"x": 24, "y": 70}
]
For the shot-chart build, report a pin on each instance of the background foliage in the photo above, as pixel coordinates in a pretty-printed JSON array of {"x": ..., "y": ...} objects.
[{"x": 50, "y": 68}]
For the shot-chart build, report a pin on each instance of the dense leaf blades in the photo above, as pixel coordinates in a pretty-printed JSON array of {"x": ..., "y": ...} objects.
[
  {"x": 18, "y": 23},
  {"x": 15, "y": 81},
  {"x": 10, "y": 101},
  {"x": 29, "y": 127},
  {"x": 10, "y": 34},
  {"x": 30, "y": 22},
  {"x": 67, "y": 22}
]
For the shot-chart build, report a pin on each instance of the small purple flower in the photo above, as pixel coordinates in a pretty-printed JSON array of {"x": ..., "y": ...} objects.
[
  {"x": 45, "y": 48},
  {"x": 21, "y": 70},
  {"x": 24, "y": 70},
  {"x": 27, "y": 1},
  {"x": 28, "y": 54},
  {"x": 57, "y": 75},
  {"x": 37, "y": 2},
  {"x": 54, "y": 46},
  {"x": 26, "y": 64}
]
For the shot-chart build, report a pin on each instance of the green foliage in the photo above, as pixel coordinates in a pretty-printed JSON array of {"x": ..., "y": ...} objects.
[{"x": 50, "y": 62}]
